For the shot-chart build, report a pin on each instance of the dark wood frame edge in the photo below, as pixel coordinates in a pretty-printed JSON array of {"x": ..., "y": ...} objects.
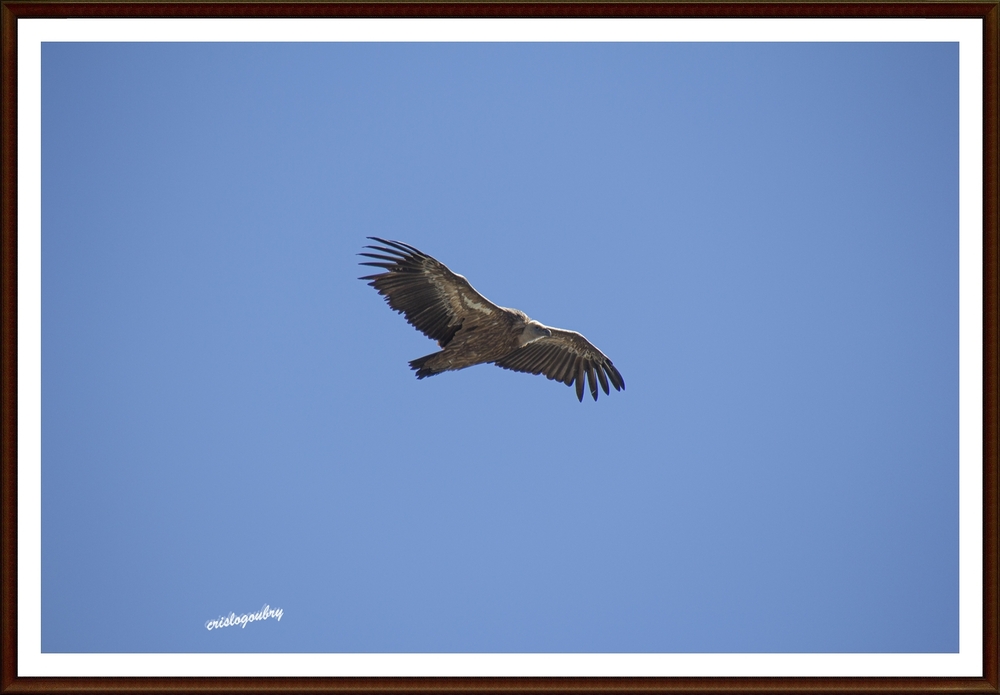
[{"x": 9, "y": 14}]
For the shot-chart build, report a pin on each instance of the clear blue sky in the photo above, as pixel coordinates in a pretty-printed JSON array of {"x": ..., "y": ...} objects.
[{"x": 762, "y": 237}]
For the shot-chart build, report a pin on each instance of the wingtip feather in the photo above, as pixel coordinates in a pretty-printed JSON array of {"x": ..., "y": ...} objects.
[{"x": 406, "y": 249}]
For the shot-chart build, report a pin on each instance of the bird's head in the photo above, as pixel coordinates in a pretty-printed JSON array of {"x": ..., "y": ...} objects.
[{"x": 534, "y": 331}]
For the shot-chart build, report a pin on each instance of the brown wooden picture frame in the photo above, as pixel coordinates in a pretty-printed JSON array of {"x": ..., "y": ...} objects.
[{"x": 11, "y": 12}]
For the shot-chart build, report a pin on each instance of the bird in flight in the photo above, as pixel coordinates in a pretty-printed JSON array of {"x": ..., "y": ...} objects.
[{"x": 473, "y": 330}]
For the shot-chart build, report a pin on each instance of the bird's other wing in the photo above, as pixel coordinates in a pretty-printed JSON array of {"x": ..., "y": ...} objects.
[
  {"x": 568, "y": 357},
  {"x": 433, "y": 299}
]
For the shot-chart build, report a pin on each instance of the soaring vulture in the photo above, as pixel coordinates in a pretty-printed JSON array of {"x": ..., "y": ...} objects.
[{"x": 473, "y": 330}]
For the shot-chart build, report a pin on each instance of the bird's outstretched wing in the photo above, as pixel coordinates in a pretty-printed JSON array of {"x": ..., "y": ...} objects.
[
  {"x": 568, "y": 357},
  {"x": 433, "y": 299}
]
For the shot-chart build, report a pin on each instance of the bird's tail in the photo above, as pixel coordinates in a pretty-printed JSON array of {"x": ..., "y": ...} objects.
[{"x": 424, "y": 365}]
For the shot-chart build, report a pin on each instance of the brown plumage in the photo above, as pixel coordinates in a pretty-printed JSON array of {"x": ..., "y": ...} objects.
[{"x": 473, "y": 330}]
